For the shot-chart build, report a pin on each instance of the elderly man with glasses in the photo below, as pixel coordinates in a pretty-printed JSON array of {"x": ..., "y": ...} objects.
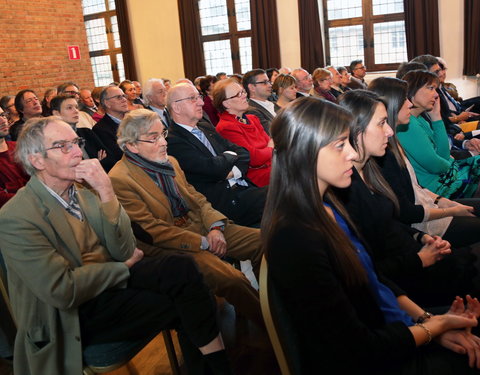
[
  {"x": 75, "y": 275},
  {"x": 259, "y": 88},
  {"x": 114, "y": 101},
  {"x": 169, "y": 216},
  {"x": 216, "y": 167}
]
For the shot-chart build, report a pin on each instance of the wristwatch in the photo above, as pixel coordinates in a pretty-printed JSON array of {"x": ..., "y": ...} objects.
[{"x": 425, "y": 316}]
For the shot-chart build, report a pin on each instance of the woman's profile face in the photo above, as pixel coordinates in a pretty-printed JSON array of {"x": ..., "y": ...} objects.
[
  {"x": 426, "y": 96},
  {"x": 404, "y": 113},
  {"x": 334, "y": 163},
  {"x": 374, "y": 140},
  {"x": 290, "y": 92},
  {"x": 325, "y": 83}
]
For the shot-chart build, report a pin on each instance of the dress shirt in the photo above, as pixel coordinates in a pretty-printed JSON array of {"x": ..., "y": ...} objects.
[{"x": 268, "y": 105}]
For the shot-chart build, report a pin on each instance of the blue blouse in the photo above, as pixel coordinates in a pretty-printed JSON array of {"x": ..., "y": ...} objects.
[{"x": 385, "y": 298}]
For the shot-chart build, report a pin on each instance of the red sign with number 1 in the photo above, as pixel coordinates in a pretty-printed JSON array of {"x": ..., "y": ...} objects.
[{"x": 73, "y": 53}]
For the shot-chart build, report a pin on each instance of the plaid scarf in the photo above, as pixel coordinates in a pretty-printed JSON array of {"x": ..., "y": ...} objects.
[{"x": 163, "y": 175}]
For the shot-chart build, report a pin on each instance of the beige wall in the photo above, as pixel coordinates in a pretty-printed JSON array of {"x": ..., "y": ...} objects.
[
  {"x": 451, "y": 46},
  {"x": 289, "y": 33},
  {"x": 158, "y": 51},
  {"x": 156, "y": 39}
]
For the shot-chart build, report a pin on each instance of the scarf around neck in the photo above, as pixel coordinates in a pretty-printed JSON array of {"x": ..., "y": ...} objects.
[{"x": 163, "y": 175}]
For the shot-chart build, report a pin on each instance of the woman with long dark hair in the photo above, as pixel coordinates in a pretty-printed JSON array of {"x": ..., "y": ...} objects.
[
  {"x": 426, "y": 143},
  {"x": 411, "y": 258},
  {"x": 424, "y": 210},
  {"x": 341, "y": 316}
]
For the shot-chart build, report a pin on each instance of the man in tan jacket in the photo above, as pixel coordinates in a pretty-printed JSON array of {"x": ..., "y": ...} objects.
[{"x": 169, "y": 215}]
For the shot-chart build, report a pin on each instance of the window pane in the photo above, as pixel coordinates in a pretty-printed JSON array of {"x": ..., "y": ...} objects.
[
  {"x": 93, "y": 6},
  {"x": 218, "y": 57},
  {"x": 338, "y": 9},
  {"x": 390, "y": 44},
  {"x": 213, "y": 16},
  {"x": 120, "y": 66},
  {"x": 96, "y": 34},
  {"x": 111, "y": 4},
  {"x": 245, "y": 46},
  {"x": 102, "y": 70},
  {"x": 346, "y": 44},
  {"x": 242, "y": 10},
  {"x": 387, "y": 6},
  {"x": 116, "y": 35}
]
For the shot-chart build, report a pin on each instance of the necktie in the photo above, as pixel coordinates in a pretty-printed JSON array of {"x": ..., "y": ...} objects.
[{"x": 202, "y": 138}]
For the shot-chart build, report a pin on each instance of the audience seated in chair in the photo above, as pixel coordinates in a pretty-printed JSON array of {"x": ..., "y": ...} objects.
[
  {"x": 71, "y": 88},
  {"x": 66, "y": 107},
  {"x": 114, "y": 102},
  {"x": 259, "y": 88},
  {"x": 171, "y": 217},
  {"x": 216, "y": 167},
  {"x": 12, "y": 175},
  {"x": 76, "y": 266},
  {"x": 28, "y": 106},
  {"x": 304, "y": 82}
]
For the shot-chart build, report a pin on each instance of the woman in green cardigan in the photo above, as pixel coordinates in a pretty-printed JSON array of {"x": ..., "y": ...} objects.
[{"x": 426, "y": 143}]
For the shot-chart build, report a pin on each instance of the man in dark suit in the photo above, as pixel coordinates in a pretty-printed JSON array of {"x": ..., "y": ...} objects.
[
  {"x": 304, "y": 82},
  {"x": 213, "y": 165},
  {"x": 66, "y": 107},
  {"x": 114, "y": 101},
  {"x": 155, "y": 97},
  {"x": 259, "y": 88}
]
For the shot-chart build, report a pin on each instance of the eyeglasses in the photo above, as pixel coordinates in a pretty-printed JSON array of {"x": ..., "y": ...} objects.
[
  {"x": 117, "y": 97},
  {"x": 4, "y": 115},
  {"x": 31, "y": 100},
  {"x": 71, "y": 92},
  {"x": 66, "y": 146},
  {"x": 237, "y": 95},
  {"x": 155, "y": 137},
  {"x": 192, "y": 99},
  {"x": 267, "y": 82},
  {"x": 363, "y": 67}
]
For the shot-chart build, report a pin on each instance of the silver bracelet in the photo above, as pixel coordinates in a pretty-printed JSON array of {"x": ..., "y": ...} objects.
[{"x": 427, "y": 331}]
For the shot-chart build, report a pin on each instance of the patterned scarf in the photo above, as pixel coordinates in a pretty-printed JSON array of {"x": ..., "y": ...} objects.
[{"x": 163, "y": 175}]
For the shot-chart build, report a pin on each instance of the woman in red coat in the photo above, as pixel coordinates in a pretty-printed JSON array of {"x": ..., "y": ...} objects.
[{"x": 244, "y": 130}]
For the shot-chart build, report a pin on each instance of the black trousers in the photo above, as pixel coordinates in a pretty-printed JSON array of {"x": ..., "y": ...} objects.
[
  {"x": 464, "y": 230},
  {"x": 163, "y": 292}
]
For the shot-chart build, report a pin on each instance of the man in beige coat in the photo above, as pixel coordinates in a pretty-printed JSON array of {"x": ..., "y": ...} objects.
[
  {"x": 170, "y": 216},
  {"x": 74, "y": 275}
]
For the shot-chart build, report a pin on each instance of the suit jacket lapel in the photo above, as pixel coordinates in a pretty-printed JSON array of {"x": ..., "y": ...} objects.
[
  {"x": 260, "y": 108},
  {"x": 55, "y": 214},
  {"x": 185, "y": 134},
  {"x": 145, "y": 181}
]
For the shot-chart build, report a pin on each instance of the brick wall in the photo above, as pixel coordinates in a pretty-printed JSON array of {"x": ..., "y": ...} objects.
[{"x": 33, "y": 48}]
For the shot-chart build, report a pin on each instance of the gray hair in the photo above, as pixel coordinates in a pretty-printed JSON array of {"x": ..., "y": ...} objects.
[
  {"x": 134, "y": 124},
  {"x": 31, "y": 141},
  {"x": 148, "y": 88}
]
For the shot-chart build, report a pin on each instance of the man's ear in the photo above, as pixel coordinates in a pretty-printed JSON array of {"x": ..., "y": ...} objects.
[
  {"x": 37, "y": 160},
  {"x": 132, "y": 147},
  {"x": 56, "y": 113}
]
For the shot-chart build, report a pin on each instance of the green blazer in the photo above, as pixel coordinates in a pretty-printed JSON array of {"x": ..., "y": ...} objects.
[{"x": 47, "y": 280}]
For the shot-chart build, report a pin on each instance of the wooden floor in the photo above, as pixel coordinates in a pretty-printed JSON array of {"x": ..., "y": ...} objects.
[{"x": 247, "y": 346}]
